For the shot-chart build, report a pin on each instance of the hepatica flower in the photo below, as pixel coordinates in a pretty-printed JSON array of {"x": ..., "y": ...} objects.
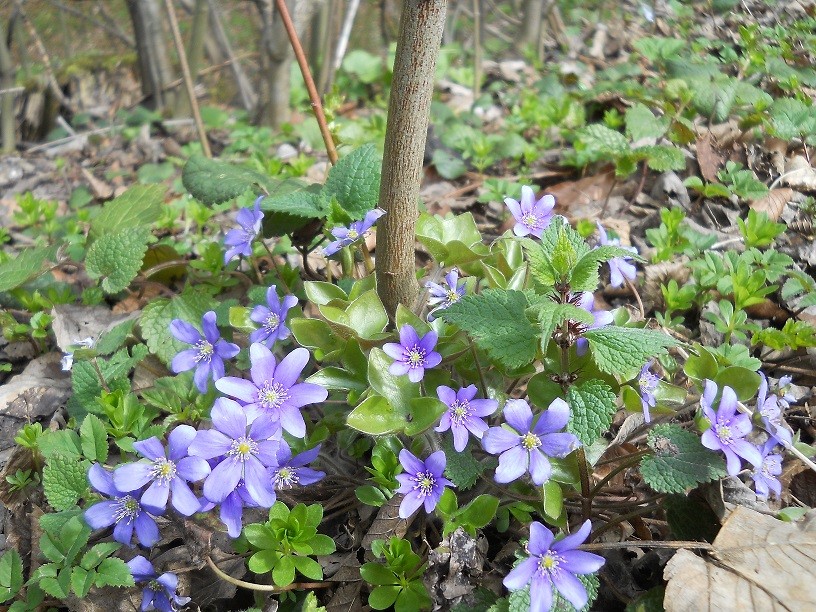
[
  {"x": 783, "y": 390},
  {"x": 349, "y": 235},
  {"x": 122, "y": 510},
  {"x": 232, "y": 508},
  {"x": 532, "y": 217},
  {"x": 770, "y": 408},
  {"x": 464, "y": 414},
  {"x": 728, "y": 429},
  {"x": 442, "y": 296},
  {"x": 554, "y": 565},
  {"x": 272, "y": 318},
  {"x": 524, "y": 447},
  {"x": 208, "y": 353},
  {"x": 274, "y": 391},
  {"x": 619, "y": 267},
  {"x": 243, "y": 453},
  {"x": 586, "y": 300},
  {"x": 766, "y": 476},
  {"x": 412, "y": 355},
  {"x": 167, "y": 472},
  {"x": 239, "y": 240},
  {"x": 422, "y": 482},
  {"x": 647, "y": 382},
  {"x": 158, "y": 592},
  {"x": 292, "y": 471}
]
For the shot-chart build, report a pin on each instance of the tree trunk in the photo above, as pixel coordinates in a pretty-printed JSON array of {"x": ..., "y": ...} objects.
[
  {"x": 195, "y": 50},
  {"x": 531, "y": 23},
  {"x": 154, "y": 66},
  {"x": 7, "y": 123},
  {"x": 420, "y": 35}
]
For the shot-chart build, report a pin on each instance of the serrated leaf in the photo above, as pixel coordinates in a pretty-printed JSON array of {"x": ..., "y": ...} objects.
[
  {"x": 212, "y": 181},
  {"x": 496, "y": 320},
  {"x": 117, "y": 258},
  {"x": 680, "y": 462},
  {"x": 661, "y": 158},
  {"x": 94, "y": 556},
  {"x": 11, "y": 574},
  {"x": 600, "y": 139},
  {"x": 355, "y": 181},
  {"x": 113, "y": 339},
  {"x": 304, "y": 204},
  {"x": 113, "y": 572},
  {"x": 462, "y": 469},
  {"x": 791, "y": 118},
  {"x": 58, "y": 587},
  {"x": 592, "y": 406},
  {"x": 138, "y": 206},
  {"x": 29, "y": 264},
  {"x": 94, "y": 439},
  {"x": 551, "y": 315},
  {"x": 64, "y": 481},
  {"x": 624, "y": 350},
  {"x": 585, "y": 275},
  {"x": 85, "y": 379},
  {"x": 190, "y": 306},
  {"x": 81, "y": 581},
  {"x": 641, "y": 123}
]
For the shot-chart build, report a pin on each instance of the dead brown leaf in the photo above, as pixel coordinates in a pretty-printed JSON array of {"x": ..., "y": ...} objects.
[
  {"x": 709, "y": 157},
  {"x": 773, "y": 203},
  {"x": 757, "y": 563},
  {"x": 583, "y": 198},
  {"x": 799, "y": 174},
  {"x": 387, "y": 523}
]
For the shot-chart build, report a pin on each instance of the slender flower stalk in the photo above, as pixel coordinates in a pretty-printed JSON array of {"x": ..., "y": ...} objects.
[
  {"x": 347, "y": 236},
  {"x": 159, "y": 591},
  {"x": 619, "y": 267},
  {"x": 239, "y": 240},
  {"x": 422, "y": 482},
  {"x": 442, "y": 296},
  {"x": 532, "y": 217},
  {"x": 166, "y": 471},
  {"x": 728, "y": 429},
  {"x": 208, "y": 353},
  {"x": 272, "y": 318},
  {"x": 464, "y": 414},
  {"x": 524, "y": 447},
  {"x": 554, "y": 566},
  {"x": 412, "y": 355},
  {"x": 274, "y": 392}
]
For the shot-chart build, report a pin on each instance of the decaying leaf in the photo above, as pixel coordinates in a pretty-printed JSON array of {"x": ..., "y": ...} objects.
[
  {"x": 387, "y": 523},
  {"x": 757, "y": 563},
  {"x": 799, "y": 174},
  {"x": 708, "y": 157},
  {"x": 773, "y": 203}
]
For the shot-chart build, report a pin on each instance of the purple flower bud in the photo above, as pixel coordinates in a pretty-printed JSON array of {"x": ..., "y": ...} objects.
[
  {"x": 765, "y": 477},
  {"x": 292, "y": 471},
  {"x": 422, "y": 481},
  {"x": 442, "y": 296},
  {"x": 647, "y": 382}
]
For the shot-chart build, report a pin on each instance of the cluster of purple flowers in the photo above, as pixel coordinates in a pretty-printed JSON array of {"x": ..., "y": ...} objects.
[{"x": 619, "y": 267}]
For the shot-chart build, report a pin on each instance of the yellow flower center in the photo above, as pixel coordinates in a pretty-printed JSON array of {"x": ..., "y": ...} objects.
[
  {"x": 353, "y": 234},
  {"x": 205, "y": 351},
  {"x": 242, "y": 448},
  {"x": 530, "y": 441},
  {"x": 271, "y": 322},
  {"x": 416, "y": 357}
]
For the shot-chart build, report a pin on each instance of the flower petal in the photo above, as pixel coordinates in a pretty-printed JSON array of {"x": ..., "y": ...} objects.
[
  {"x": 581, "y": 562},
  {"x": 446, "y": 394},
  {"x": 540, "y": 468},
  {"x": 554, "y": 418},
  {"x": 232, "y": 514},
  {"x": 155, "y": 498},
  {"x": 291, "y": 367},
  {"x": 521, "y": 575},
  {"x": 228, "y": 418},
  {"x": 193, "y": 469},
  {"x": 102, "y": 480},
  {"x": 574, "y": 539},
  {"x": 412, "y": 464},
  {"x": 147, "y": 532},
  {"x": 211, "y": 332},
  {"x": 410, "y": 504},
  {"x": 518, "y": 415},
  {"x": 540, "y": 539},
  {"x": 558, "y": 444},
  {"x": 258, "y": 485},
  {"x": 238, "y": 388},
  {"x": 570, "y": 588},
  {"x": 185, "y": 360},
  {"x": 101, "y": 514},
  {"x": 512, "y": 465},
  {"x": 132, "y": 476},
  {"x": 393, "y": 350},
  {"x": 498, "y": 440},
  {"x": 183, "y": 331},
  {"x": 123, "y": 532},
  {"x": 209, "y": 444},
  {"x": 222, "y": 480},
  {"x": 292, "y": 421},
  {"x": 435, "y": 463},
  {"x": 150, "y": 448},
  {"x": 460, "y": 438},
  {"x": 303, "y": 394},
  {"x": 141, "y": 569},
  {"x": 179, "y": 441},
  {"x": 541, "y": 594}
]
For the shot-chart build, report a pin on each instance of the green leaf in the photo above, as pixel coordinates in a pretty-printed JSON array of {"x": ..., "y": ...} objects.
[
  {"x": 321, "y": 293},
  {"x": 497, "y": 322},
  {"x": 585, "y": 275},
  {"x": 355, "y": 181},
  {"x": 462, "y": 469},
  {"x": 64, "y": 441},
  {"x": 592, "y": 406},
  {"x": 791, "y": 118},
  {"x": 601, "y": 139},
  {"x": 190, "y": 306},
  {"x": 284, "y": 571},
  {"x": 370, "y": 495},
  {"x": 376, "y": 416},
  {"x": 73, "y": 537},
  {"x": 94, "y": 439},
  {"x": 117, "y": 258},
  {"x": 303, "y": 203},
  {"x": 624, "y": 350},
  {"x": 661, "y": 158},
  {"x": 480, "y": 511},
  {"x": 260, "y": 536},
  {"x": 139, "y": 206},
  {"x": 29, "y": 264},
  {"x": 64, "y": 481},
  {"x": 113, "y": 339},
  {"x": 263, "y": 561},
  {"x": 94, "y": 556},
  {"x": 551, "y": 315},
  {"x": 383, "y": 597},
  {"x": 454, "y": 240},
  {"x": 81, "y": 580},
  {"x": 398, "y": 390},
  {"x": 113, "y": 572},
  {"x": 213, "y": 181},
  {"x": 447, "y": 165},
  {"x": 425, "y": 412},
  {"x": 322, "y": 545},
  {"x": 59, "y": 587},
  {"x": 11, "y": 574},
  {"x": 641, "y": 123},
  {"x": 308, "y": 567},
  {"x": 680, "y": 461},
  {"x": 85, "y": 379}
]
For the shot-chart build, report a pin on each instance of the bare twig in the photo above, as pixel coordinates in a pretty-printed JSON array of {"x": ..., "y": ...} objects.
[
  {"x": 677, "y": 544},
  {"x": 314, "y": 97}
]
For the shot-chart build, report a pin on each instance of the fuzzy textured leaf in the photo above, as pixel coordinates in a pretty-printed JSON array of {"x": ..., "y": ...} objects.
[
  {"x": 355, "y": 181},
  {"x": 116, "y": 258},
  {"x": 29, "y": 264},
  {"x": 592, "y": 406},
  {"x": 190, "y": 306},
  {"x": 64, "y": 481},
  {"x": 624, "y": 350},
  {"x": 680, "y": 461},
  {"x": 139, "y": 206}
]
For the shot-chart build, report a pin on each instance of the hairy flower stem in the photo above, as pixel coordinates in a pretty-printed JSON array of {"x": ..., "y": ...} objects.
[
  {"x": 265, "y": 587},
  {"x": 366, "y": 254}
]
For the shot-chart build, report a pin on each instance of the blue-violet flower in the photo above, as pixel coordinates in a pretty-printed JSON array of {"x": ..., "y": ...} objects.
[
  {"x": 619, "y": 267},
  {"x": 272, "y": 318},
  {"x": 525, "y": 447},
  {"x": 232, "y": 508},
  {"x": 208, "y": 353},
  {"x": 464, "y": 413},
  {"x": 442, "y": 296},
  {"x": 292, "y": 471},
  {"x": 647, "y": 382},
  {"x": 159, "y": 592},
  {"x": 770, "y": 409},
  {"x": 766, "y": 477},
  {"x": 554, "y": 565},
  {"x": 586, "y": 300},
  {"x": 249, "y": 226},
  {"x": 349, "y": 235},
  {"x": 728, "y": 429},
  {"x": 413, "y": 354},
  {"x": 532, "y": 217},
  {"x": 422, "y": 481}
]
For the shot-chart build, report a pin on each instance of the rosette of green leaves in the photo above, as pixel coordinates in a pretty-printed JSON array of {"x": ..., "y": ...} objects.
[{"x": 397, "y": 583}]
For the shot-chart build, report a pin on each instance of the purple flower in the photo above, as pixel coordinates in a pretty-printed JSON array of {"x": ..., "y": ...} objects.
[
  {"x": 463, "y": 414},
  {"x": 648, "y": 385},
  {"x": 274, "y": 391},
  {"x": 167, "y": 472},
  {"x": 422, "y": 481},
  {"x": 765, "y": 477},
  {"x": 531, "y": 217},
  {"x": 728, "y": 428},
  {"x": 770, "y": 411},
  {"x": 244, "y": 453},
  {"x": 240, "y": 239},
  {"x": 586, "y": 300},
  {"x": 554, "y": 565},
  {"x": 783, "y": 390},
  {"x": 272, "y": 319},
  {"x": 349, "y": 235},
  {"x": 413, "y": 354},
  {"x": 123, "y": 510},
  {"x": 442, "y": 296},
  {"x": 523, "y": 447},
  {"x": 159, "y": 592},
  {"x": 208, "y": 352},
  {"x": 619, "y": 267},
  {"x": 232, "y": 508},
  {"x": 292, "y": 471}
]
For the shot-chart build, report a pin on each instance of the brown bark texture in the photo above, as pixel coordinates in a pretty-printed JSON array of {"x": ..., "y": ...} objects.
[{"x": 420, "y": 35}]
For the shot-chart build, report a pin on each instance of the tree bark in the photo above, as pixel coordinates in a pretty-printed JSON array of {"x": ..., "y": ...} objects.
[
  {"x": 154, "y": 65},
  {"x": 531, "y": 22},
  {"x": 420, "y": 35},
  {"x": 7, "y": 123}
]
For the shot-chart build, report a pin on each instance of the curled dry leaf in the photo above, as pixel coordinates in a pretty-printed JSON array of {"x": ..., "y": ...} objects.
[
  {"x": 709, "y": 157},
  {"x": 799, "y": 174},
  {"x": 757, "y": 563},
  {"x": 773, "y": 203}
]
